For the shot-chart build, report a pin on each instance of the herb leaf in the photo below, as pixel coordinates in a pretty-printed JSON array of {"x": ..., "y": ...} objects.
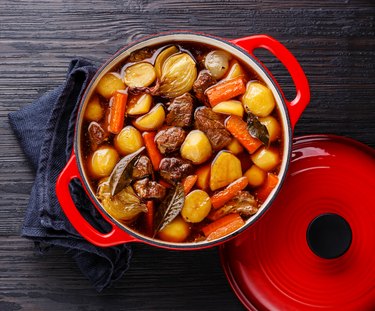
[
  {"x": 122, "y": 173},
  {"x": 257, "y": 129},
  {"x": 170, "y": 207}
]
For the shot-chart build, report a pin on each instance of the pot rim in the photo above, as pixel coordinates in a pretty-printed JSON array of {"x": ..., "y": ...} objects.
[{"x": 224, "y": 44}]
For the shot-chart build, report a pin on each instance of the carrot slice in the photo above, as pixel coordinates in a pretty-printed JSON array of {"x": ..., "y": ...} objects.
[
  {"x": 164, "y": 183},
  {"x": 225, "y": 90},
  {"x": 189, "y": 182},
  {"x": 238, "y": 129},
  {"x": 150, "y": 217},
  {"x": 223, "y": 226},
  {"x": 152, "y": 149},
  {"x": 203, "y": 174},
  {"x": 117, "y": 112},
  {"x": 263, "y": 191},
  {"x": 222, "y": 197}
]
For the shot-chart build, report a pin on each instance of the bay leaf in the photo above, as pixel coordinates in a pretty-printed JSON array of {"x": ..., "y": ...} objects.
[
  {"x": 122, "y": 173},
  {"x": 257, "y": 129},
  {"x": 170, "y": 207}
]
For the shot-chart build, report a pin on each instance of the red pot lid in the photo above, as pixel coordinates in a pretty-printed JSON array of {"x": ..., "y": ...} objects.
[{"x": 315, "y": 247}]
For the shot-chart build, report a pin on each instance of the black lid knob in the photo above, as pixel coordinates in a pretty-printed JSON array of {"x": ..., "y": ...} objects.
[{"x": 329, "y": 236}]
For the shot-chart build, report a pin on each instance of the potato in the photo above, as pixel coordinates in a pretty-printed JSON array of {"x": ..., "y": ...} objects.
[
  {"x": 235, "y": 146},
  {"x": 152, "y": 120},
  {"x": 217, "y": 62},
  {"x": 129, "y": 140},
  {"x": 196, "y": 147},
  {"x": 235, "y": 70},
  {"x": 225, "y": 168},
  {"x": 109, "y": 84},
  {"x": 139, "y": 75},
  {"x": 139, "y": 104},
  {"x": 258, "y": 99},
  {"x": 176, "y": 231},
  {"x": 231, "y": 107},
  {"x": 203, "y": 180},
  {"x": 196, "y": 207},
  {"x": 102, "y": 161},
  {"x": 256, "y": 176},
  {"x": 94, "y": 111},
  {"x": 266, "y": 159},
  {"x": 273, "y": 127}
]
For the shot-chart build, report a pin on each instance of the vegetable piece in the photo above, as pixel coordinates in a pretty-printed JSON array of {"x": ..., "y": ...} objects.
[
  {"x": 263, "y": 191},
  {"x": 196, "y": 207},
  {"x": 139, "y": 104},
  {"x": 151, "y": 120},
  {"x": 196, "y": 147},
  {"x": 152, "y": 150},
  {"x": 273, "y": 127},
  {"x": 231, "y": 107},
  {"x": 122, "y": 174},
  {"x": 94, "y": 111},
  {"x": 109, "y": 84},
  {"x": 217, "y": 62},
  {"x": 266, "y": 158},
  {"x": 257, "y": 129},
  {"x": 102, "y": 161},
  {"x": 161, "y": 58},
  {"x": 223, "y": 196},
  {"x": 238, "y": 128},
  {"x": 258, "y": 99},
  {"x": 189, "y": 182},
  {"x": 223, "y": 226},
  {"x": 139, "y": 75},
  {"x": 203, "y": 173},
  {"x": 225, "y": 90},
  {"x": 235, "y": 147},
  {"x": 255, "y": 176},
  {"x": 124, "y": 206},
  {"x": 178, "y": 75},
  {"x": 169, "y": 208},
  {"x": 176, "y": 231},
  {"x": 117, "y": 112},
  {"x": 150, "y": 218},
  {"x": 165, "y": 183},
  {"x": 243, "y": 203},
  {"x": 235, "y": 70},
  {"x": 129, "y": 140},
  {"x": 225, "y": 168}
]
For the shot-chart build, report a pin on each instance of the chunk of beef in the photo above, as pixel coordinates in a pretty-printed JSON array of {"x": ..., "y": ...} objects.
[
  {"x": 142, "y": 168},
  {"x": 96, "y": 133},
  {"x": 148, "y": 189},
  {"x": 175, "y": 169},
  {"x": 180, "y": 111},
  {"x": 202, "y": 83},
  {"x": 212, "y": 124},
  {"x": 170, "y": 140}
]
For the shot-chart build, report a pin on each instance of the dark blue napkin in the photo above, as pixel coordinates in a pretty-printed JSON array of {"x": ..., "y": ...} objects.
[{"x": 45, "y": 131}]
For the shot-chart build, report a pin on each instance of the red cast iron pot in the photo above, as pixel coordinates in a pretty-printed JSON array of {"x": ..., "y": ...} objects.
[{"x": 243, "y": 49}]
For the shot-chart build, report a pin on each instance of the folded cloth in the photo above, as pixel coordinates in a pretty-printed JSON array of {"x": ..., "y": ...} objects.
[{"x": 45, "y": 130}]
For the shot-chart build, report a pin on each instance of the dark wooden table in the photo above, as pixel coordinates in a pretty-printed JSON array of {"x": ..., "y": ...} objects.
[{"x": 333, "y": 40}]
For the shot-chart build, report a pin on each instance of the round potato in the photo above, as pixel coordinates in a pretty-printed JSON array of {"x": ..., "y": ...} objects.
[
  {"x": 102, "y": 161},
  {"x": 196, "y": 147},
  {"x": 266, "y": 158},
  {"x": 196, "y": 207},
  {"x": 94, "y": 111},
  {"x": 255, "y": 176},
  {"x": 273, "y": 127},
  {"x": 176, "y": 231},
  {"x": 109, "y": 84},
  {"x": 258, "y": 99},
  {"x": 129, "y": 140}
]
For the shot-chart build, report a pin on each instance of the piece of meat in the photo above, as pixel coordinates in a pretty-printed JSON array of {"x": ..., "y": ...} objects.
[
  {"x": 202, "y": 83},
  {"x": 243, "y": 203},
  {"x": 148, "y": 189},
  {"x": 180, "y": 111},
  {"x": 170, "y": 140},
  {"x": 142, "y": 168},
  {"x": 96, "y": 133},
  {"x": 212, "y": 124},
  {"x": 175, "y": 169}
]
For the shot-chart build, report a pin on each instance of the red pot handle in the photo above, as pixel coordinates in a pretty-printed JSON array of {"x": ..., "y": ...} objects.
[
  {"x": 299, "y": 103},
  {"x": 114, "y": 237}
]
